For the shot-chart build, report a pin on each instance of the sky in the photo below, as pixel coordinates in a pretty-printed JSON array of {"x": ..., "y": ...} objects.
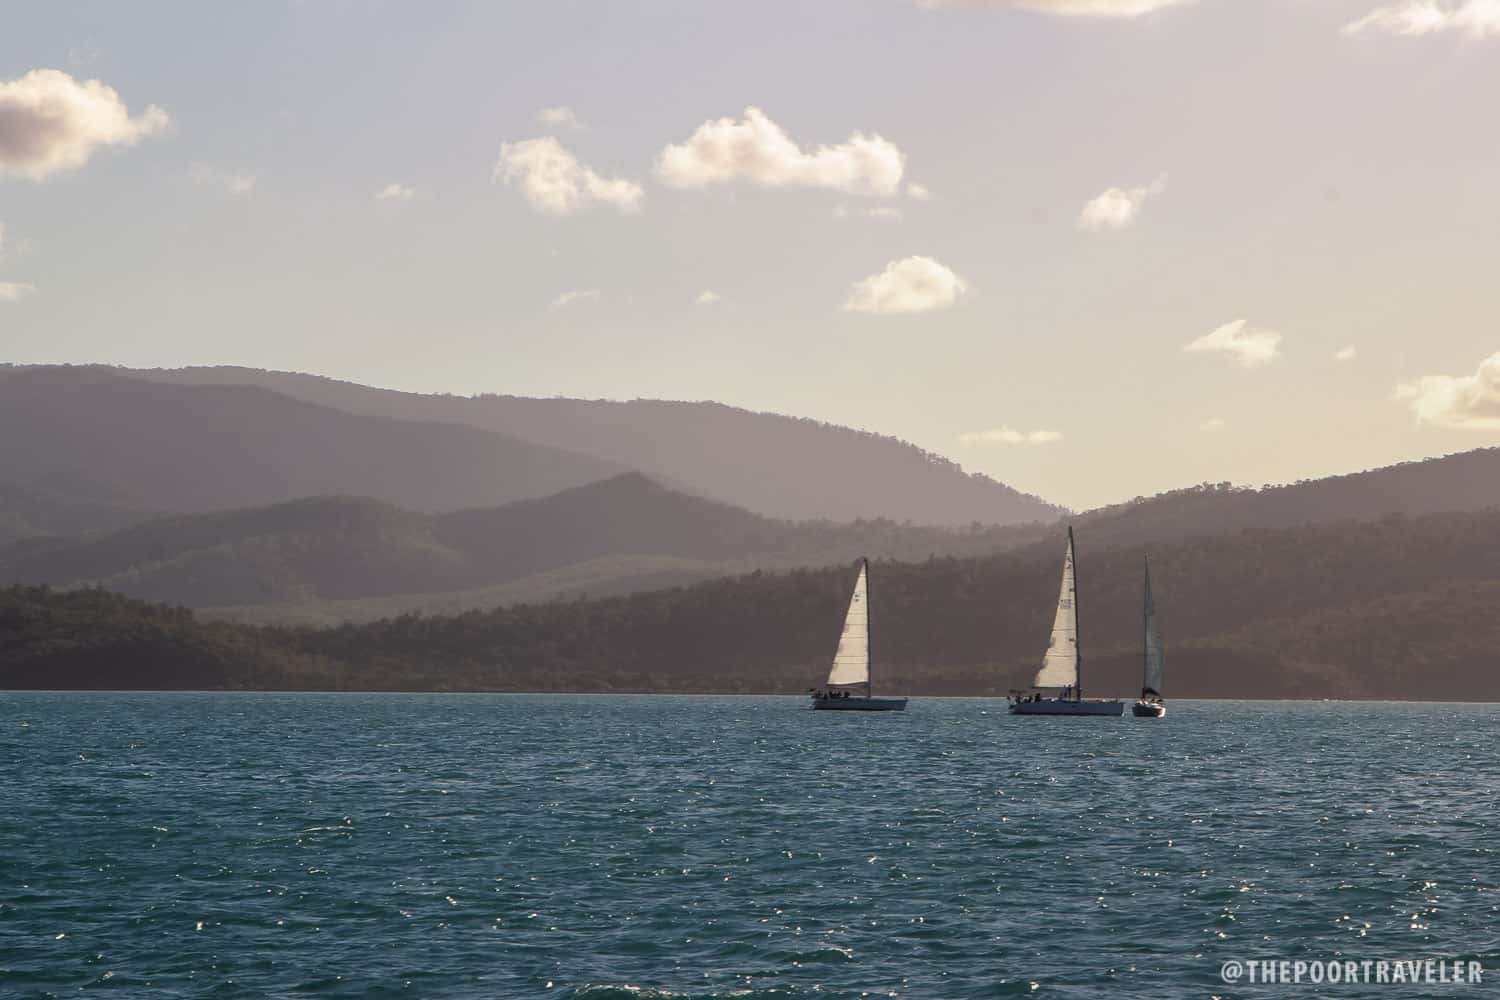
[{"x": 1096, "y": 249}]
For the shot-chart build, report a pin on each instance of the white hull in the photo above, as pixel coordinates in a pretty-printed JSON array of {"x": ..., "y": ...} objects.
[
  {"x": 1148, "y": 709},
  {"x": 1068, "y": 706}
]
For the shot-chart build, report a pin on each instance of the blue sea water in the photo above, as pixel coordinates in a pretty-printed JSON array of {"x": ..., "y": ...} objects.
[{"x": 278, "y": 845}]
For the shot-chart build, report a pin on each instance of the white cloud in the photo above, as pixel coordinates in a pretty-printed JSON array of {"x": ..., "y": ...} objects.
[
  {"x": 50, "y": 122},
  {"x": 1081, "y": 8},
  {"x": 1212, "y": 424},
  {"x": 555, "y": 182},
  {"x": 230, "y": 181},
  {"x": 1247, "y": 345},
  {"x": 918, "y": 191},
  {"x": 559, "y": 117},
  {"x": 1476, "y": 18},
  {"x": 396, "y": 192},
  {"x": 1462, "y": 402},
  {"x": 1117, "y": 208},
  {"x": 910, "y": 285},
  {"x": 707, "y": 298},
  {"x": 15, "y": 291},
  {"x": 578, "y": 295},
  {"x": 1005, "y": 435},
  {"x": 1345, "y": 353},
  {"x": 759, "y": 150}
]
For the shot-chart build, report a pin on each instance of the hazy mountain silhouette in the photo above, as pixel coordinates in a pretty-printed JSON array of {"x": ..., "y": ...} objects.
[
  {"x": 34, "y": 509},
  {"x": 303, "y": 557},
  {"x": 157, "y": 446},
  {"x": 334, "y": 559},
  {"x": 776, "y": 465}
]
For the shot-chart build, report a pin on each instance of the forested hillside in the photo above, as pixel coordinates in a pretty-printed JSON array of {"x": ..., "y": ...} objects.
[
  {"x": 1467, "y": 481},
  {"x": 1396, "y": 608}
]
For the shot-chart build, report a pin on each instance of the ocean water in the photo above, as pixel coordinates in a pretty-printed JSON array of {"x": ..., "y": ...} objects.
[{"x": 275, "y": 845}]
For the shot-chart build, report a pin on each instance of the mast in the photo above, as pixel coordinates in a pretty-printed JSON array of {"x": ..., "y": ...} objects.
[
  {"x": 1077, "y": 626},
  {"x": 869, "y": 660},
  {"x": 1146, "y": 628}
]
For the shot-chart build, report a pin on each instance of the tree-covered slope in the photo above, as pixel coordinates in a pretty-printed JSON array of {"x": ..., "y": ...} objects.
[{"x": 1396, "y": 608}]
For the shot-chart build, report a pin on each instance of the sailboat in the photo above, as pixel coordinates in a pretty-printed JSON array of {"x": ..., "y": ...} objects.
[
  {"x": 1058, "y": 688},
  {"x": 1150, "y": 705},
  {"x": 848, "y": 688}
]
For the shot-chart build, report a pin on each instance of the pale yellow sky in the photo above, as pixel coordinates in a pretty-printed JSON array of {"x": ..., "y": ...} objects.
[{"x": 993, "y": 229}]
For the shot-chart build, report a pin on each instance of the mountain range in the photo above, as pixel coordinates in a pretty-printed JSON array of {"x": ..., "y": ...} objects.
[
  {"x": 118, "y": 443},
  {"x": 1396, "y": 608},
  {"x": 280, "y": 436},
  {"x": 443, "y": 553},
  {"x": 330, "y": 559},
  {"x": 254, "y": 506}
]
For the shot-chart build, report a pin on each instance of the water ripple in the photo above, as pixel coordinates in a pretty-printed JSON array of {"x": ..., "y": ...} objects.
[{"x": 594, "y": 847}]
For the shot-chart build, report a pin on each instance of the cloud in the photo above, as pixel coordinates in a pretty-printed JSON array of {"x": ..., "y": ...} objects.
[
  {"x": 15, "y": 291},
  {"x": 759, "y": 150},
  {"x": 1476, "y": 18},
  {"x": 1079, "y": 8},
  {"x": 1345, "y": 353},
  {"x": 559, "y": 117},
  {"x": 555, "y": 182},
  {"x": 578, "y": 295},
  {"x": 918, "y": 191},
  {"x": 50, "y": 122},
  {"x": 231, "y": 182},
  {"x": 396, "y": 192},
  {"x": 1212, "y": 424},
  {"x": 910, "y": 285},
  {"x": 707, "y": 298},
  {"x": 1117, "y": 208},
  {"x": 1247, "y": 345},
  {"x": 1005, "y": 435},
  {"x": 884, "y": 212},
  {"x": 1461, "y": 402}
]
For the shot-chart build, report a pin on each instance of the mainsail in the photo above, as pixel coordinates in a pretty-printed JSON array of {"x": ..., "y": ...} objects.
[
  {"x": 1151, "y": 683},
  {"x": 851, "y": 664},
  {"x": 1060, "y": 665}
]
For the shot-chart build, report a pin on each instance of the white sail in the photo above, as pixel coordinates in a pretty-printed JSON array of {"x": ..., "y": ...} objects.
[
  {"x": 1060, "y": 665},
  {"x": 851, "y": 664},
  {"x": 1155, "y": 656}
]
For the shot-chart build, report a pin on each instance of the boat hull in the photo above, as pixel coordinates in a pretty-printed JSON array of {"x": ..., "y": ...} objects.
[
  {"x": 1067, "y": 706},
  {"x": 1148, "y": 710},
  {"x": 859, "y": 704}
]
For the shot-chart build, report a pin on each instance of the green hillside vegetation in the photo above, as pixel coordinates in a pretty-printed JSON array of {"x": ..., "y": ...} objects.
[
  {"x": 94, "y": 639},
  {"x": 1395, "y": 608}
]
